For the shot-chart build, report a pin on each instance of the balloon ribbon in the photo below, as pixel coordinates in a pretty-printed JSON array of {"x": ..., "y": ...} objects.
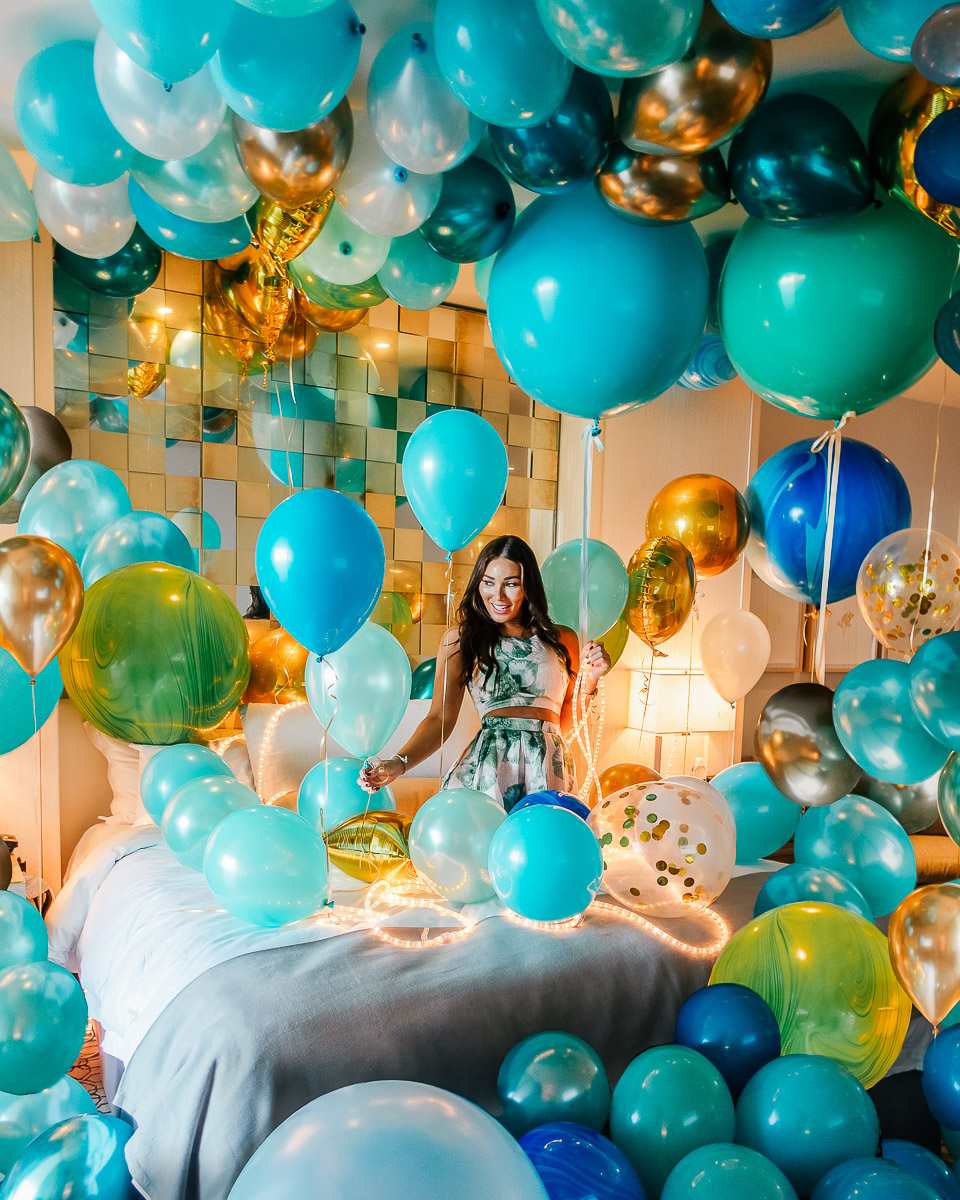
[{"x": 832, "y": 440}]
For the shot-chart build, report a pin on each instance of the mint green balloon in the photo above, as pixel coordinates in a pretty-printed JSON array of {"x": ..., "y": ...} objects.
[
  {"x": 196, "y": 809},
  {"x": 18, "y": 213},
  {"x": 450, "y": 843},
  {"x": 607, "y": 586},
  {"x": 826, "y": 319},
  {"x": 43, "y": 1020},
  {"x": 22, "y": 1118}
]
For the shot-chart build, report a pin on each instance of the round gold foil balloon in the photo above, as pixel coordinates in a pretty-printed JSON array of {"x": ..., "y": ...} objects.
[
  {"x": 907, "y": 592},
  {"x": 371, "y": 847},
  {"x": 144, "y": 379},
  {"x": 297, "y": 339},
  {"x": 284, "y": 234},
  {"x": 660, "y": 188},
  {"x": 327, "y": 320},
  {"x": 924, "y": 937},
  {"x": 41, "y": 599},
  {"x": 277, "y": 665},
  {"x": 625, "y": 775},
  {"x": 707, "y": 515},
  {"x": 662, "y": 589}
]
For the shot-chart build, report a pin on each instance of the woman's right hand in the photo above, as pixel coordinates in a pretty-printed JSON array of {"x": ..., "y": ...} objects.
[{"x": 378, "y": 773}]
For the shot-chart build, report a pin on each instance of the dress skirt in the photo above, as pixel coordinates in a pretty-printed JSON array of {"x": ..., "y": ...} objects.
[{"x": 513, "y": 757}]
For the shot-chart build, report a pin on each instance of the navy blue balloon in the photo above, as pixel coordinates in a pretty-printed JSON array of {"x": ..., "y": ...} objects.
[
  {"x": 787, "y": 501},
  {"x": 575, "y": 1163},
  {"x": 774, "y": 18},
  {"x": 474, "y": 215},
  {"x": 731, "y": 1026},
  {"x": 557, "y": 799},
  {"x": 941, "y": 1077},
  {"x": 870, "y": 1179},
  {"x": 803, "y": 881},
  {"x": 936, "y": 157},
  {"x": 922, "y": 1163},
  {"x": 946, "y": 333}
]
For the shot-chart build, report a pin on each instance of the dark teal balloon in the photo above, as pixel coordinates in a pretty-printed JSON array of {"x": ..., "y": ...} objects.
[
  {"x": 732, "y": 1027},
  {"x": 869, "y": 1178},
  {"x": 474, "y": 215},
  {"x": 724, "y": 1171},
  {"x": 801, "y": 881},
  {"x": 552, "y": 1076},
  {"x": 16, "y": 700},
  {"x": 935, "y": 688},
  {"x": 715, "y": 250},
  {"x": 946, "y": 333},
  {"x": 774, "y": 18},
  {"x": 43, "y": 1020},
  {"x": 190, "y": 239},
  {"x": 130, "y": 271},
  {"x": 424, "y": 677},
  {"x": 81, "y": 1157},
  {"x": 136, "y": 537}
]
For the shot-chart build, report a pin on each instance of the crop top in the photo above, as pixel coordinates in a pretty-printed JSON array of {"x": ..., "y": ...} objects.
[{"x": 531, "y": 675}]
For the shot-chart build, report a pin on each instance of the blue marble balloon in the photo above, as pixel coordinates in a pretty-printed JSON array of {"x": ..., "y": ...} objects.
[
  {"x": 733, "y": 1027},
  {"x": 575, "y": 1162},
  {"x": 710, "y": 368},
  {"x": 80, "y": 1157},
  {"x": 871, "y": 1179},
  {"x": 774, "y": 18},
  {"x": 802, "y": 881},
  {"x": 136, "y": 537},
  {"x": 552, "y": 1076},
  {"x": 557, "y": 799},
  {"x": 924, "y": 1164}
]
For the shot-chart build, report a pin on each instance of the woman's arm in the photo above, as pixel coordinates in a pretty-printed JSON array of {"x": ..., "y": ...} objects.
[{"x": 595, "y": 663}]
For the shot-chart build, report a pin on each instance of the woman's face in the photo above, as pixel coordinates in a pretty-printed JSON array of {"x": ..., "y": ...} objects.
[{"x": 501, "y": 590}]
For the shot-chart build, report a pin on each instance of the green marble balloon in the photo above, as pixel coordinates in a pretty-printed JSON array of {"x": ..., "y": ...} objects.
[
  {"x": 159, "y": 655},
  {"x": 14, "y": 446},
  {"x": 826, "y": 974}
]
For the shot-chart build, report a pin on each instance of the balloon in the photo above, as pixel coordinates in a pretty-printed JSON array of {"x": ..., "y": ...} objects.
[
  {"x": 277, "y": 665},
  {"x": 787, "y": 501},
  {"x": 948, "y": 801},
  {"x": 22, "y": 1118},
  {"x": 873, "y": 1177},
  {"x": 261, "y": 295},
  {"x": 498, "y": 60},
  {"x": 702, "y": 99},
  {"x": 136, "y": 537},
  {"x": 330, "y": 794},
  {"x": 799, "y": 748},
  {"x": 23, "y": 935},
  {"x": 934, "y": 49},
  {"x": 557, "y": 799},
  {"x": 710, "y": 366},
  {"x": 284, "y": 234},
  {"x": 455, "y": 475},
  {"x": 625, "y": 775},
  {"x": 94, "y": 222},
  {"x": 371, "y": 847},
  {"x": 903, "y": 601},
  {"x": 320, "y": 562},
  {"x": 669, "y": 1101},
  {"x": 806, "y": 1114},
  {"x": 61, "y": 120},
  {"x": 18, "y": 699},
  {"x": 662, "y": 589},
  {"x": 946, "y": 333},
  {"x": 606, "y": 582},
  {"x": 764, "y": 818},
  {"x": 14, "y": 446},
  {"x": 296, "y": 167},
  {"x": 189, "y": 239},
  {"x": 18, "y": 217},
  {"x": 46, "y": 443},
  {"x": 923, "y": 1165},
  {"x": 887, "y": 27},
  {"x": 913, "y": 804},
  {"x": 392, "y": 613},
  {"x": 798, "y": 881},
  {"x": 570, "y": 1158},
  {"x": 414, "y": 274},
  {"x": 423, "y": 680},
  {"x": 545, "y": 863},
  {"x": 43, "y": 1019},
  {"x": 923, "y": 935},
  {"x": 345, "y": 253},
  {"x": 727, "y": 1172},
  {"x": 733, "y": 1028},
  {"x": 933, "y": 155},
  {"x": 774, "y": 18},
  {"x": 389, "y": 1136},
  {"x": 159, "y": 654},
  {"x": 552, "y": 1076},
  {"x": 716, "y": 249},
  {"x": 334, "y": 320},
  {"x": 590, "y": 364},
  {"x": 614, "y": 641},
  {"x": 935, "y": 688},
  {"x": 941, "y": 1077},
  {"x": 474, "y": 215},
  {"x": 196, "y": 809},
  {"x": 620, "y": 37},
  {"x": 565, "y": 150},
  {"x": 126, "y": 274},
  {"x": 735, "y": 650},
  {"x": 481, "y": 276},
  {"x": 172, "y": 41},
  {"x": 348, "y": 298},
  {"x": 667, "y": 848},
  {"x": 450, "y": 843},
  {"x": 171, "y": 769},
  {"x": 41, "y": 595},
  {"x": 705, "y": 513},
  {"x": 80, "y": 1156},
  {"x": 653, "y": 188}
]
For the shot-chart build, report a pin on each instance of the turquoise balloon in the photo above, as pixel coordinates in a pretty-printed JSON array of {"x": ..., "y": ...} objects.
[
  {"x": 545, "y": 863},
  {"x": 935, "y": 688},
  {"x": 17, "y": 697},
  {"x": 72, "y": 503},
  {"x": 887, "y": 27},
  {"x": 607, "y": 586},
  {"x": 415, "y": 275},
  {"x": 806, "y": 1113},
  {"x": 330, "y": 794},
  {"x": 801, "y": 881},
  {"x": 18, "y": 217},
  {"x": 423, "y": 680},
  {"x": 871, "y": 1178},
  {"x": 774, "y": 18},
  {"x": 864, "y": 843},
  {"x": 552, "y": 1076},
  {"x": 196, "y": 809},
  {"x": 23, "y": 935},
  {"x": 455, "y": 474},
  {"x": 61, "y": 120},
  {"x": 621, "y": 38},
  {"x": 79, "y": 1157},
  {"x": 878, "y": 727},
  {"x": 450, "y": 844},
  {"x": 267, "y": 866},
  {"x": 43, "y": 1020},
  {"x": 190, "y": 239},
  {"x": 669, "y": 1102},
  {"x": 765, "y": 818},
  {"x": 173, "y": 766},
  {"x": 171, "y": 40},
  {"x": 727, "y": 1172},
  {"x": 481, "y": 276},
  {"x": 136, "y": 537},
  {"x": 22, "y": 1118},
  {"x": 837, "y": 317}
]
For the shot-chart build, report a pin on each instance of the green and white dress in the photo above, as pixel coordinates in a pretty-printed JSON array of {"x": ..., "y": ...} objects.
[{"x": 512, "y": 757}]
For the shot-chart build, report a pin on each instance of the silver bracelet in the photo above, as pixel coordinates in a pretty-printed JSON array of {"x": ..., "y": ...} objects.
[{"x": 403, "y": 758}]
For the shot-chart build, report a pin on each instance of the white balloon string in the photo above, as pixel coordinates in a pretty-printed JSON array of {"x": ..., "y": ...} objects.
[
  {"x": 590, "y": 439},
  {"x": 647, "y": 684},
  {"x": 329, "y": 691},
  {"x": 293, "y": 397},
  {"x": 36, "y": 734},
  {"x": 448, "y": 621},
  {"x": 925, "y": 583},
  {"x": 833, "y": 440},
  {"x": 283, "y": 435}
]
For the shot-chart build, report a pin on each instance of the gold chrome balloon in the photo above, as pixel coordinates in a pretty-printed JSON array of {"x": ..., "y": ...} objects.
[
  {"x": 662, "y": 589},
  {"x": 625, "y": 775},
  {"x": 371, "y": 847},
  {"x": 649, "y": 188},
  {"x": 924, "y": 938},
  {"x": 705, "y": 513},
  {"x": 145, "y": 378},
  {"x": 284, "y": 234},
  {"x": 277, "y": 665},
  {"x": 702, "y": 100},
  {"x": 41, "y": 598},
  {"x": 327, "y": 320}
]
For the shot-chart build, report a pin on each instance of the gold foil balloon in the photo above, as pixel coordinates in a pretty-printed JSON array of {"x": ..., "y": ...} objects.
[
  {"x": 662, "y": 589},
  {"x": 277, "y": 664},
  {"x": 327, "y": 320},
  {"x": 625, "y": 775},
  {"x": 284, "y": 234},
  {"x": 701, "y": 100},
  {"x": 41, "y": 598},
  {"x": 297, "y": 339},
  {"x": 371, "y": 847},
  {"x": 708, "y": 515},
  {"x": 924, "y": 937},
  {"x": 144, "y": 379},
  {"x": 908, "y": 593},
  {"x": 260, "y": 293},
  {"x": 655, "y": 188}
]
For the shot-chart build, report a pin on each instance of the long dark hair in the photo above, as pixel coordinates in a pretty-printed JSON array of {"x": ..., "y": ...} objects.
[{"x": 479, "y": 633}]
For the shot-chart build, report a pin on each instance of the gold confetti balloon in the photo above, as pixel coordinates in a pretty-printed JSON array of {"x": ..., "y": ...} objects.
[
  {"x": 707, "y": 515},
  {"x": 277, "y": 666},
  {"x": 909, "y": 592},
  {"x": 662, "y": 589},
  {"x": 372, "y": 847}
]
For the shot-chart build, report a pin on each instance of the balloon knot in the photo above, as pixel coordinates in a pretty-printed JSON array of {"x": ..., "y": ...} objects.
[
  {"x": 502, "y": 209},
  {"x": 346, "y": 249},
  {"x": 168, "y": 88},
  {"x": 419, "y": 43},
  {"x": 358, "y": 27},
  {"x": 400, "y": 174}
]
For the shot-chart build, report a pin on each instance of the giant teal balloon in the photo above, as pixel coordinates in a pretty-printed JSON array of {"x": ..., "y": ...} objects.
[
  {"x": 827, "y": 319},
  {"x": 552, "y": 1077},
  {"x": 17, "y": 697},
  {"x": 455, "y": 474},
  {"x": 474, "y": 215},
  {"x": 23, "y": 935},
  {"x": 935, "y": 688},
  {"x": 877, "y": 725},
  {"x": 802, "y": 881},
  {"x": 764, "y": 817},
  {"x": 196, "y": 809},
  {"x": 774, "y": 18},
  {"x": 887, "y": 27},
  {"x": 727, "y": 1172},
  {"x": 22, "y": 1118},
  {"x": 415, "y": 275},
  {"x": 43, "y": 1020},
  {"x": 320, "y": 564},
  {"x": 14, "y": 446},
  {"x": 173, "y": 767},
  {"x": 18, "y": 213},
  {"x": 171, "y": 40},
  {"x": 72, "y": 503},
  {"x": 607, "y": 586},
  {"x": 82, "y": 1156},
  {"x": 61, "y": 120},
  {"x": 136, "y": 537},
  {"x": 190, "y": 239},
  {"x": 450, "y": 843},
  {"x": 621, "y": 37},
  {"x": 566, "y": 350},
  {"x": 331, "y": 794}
]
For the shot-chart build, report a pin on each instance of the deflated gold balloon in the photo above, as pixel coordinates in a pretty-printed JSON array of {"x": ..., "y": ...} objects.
[
  {"x": 284, "y": 234},
  {"x": 702, "y": 100},
  {"x": 145, "y": 378},
  {"x": 260, "y": 293},
  {"x": 924, "y": 939},
  {"x": 328, "y": 320},
  {"x": 705, "y": 513},
  {"x": 277, "y": 665},
  {"x": 297, "y": 338},
  {"x": 662, "y": 590},
  {"x": 371, "y": 847},
  {"x": 625, "y": 775},
  {"x": 41, "y": 598},
  {"x": 649, "y": 188}
]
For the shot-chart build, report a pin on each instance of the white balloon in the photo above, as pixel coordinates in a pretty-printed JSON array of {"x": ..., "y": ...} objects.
[
  {"x": 378, "y": 194},
  {"x": 94, "y": 222},
  {"x": 343, "y": 252},
  {"x": 735, "y": 649}
]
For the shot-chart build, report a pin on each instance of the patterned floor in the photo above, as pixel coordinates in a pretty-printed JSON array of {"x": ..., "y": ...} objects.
[{"x": 86, "y": 1071}]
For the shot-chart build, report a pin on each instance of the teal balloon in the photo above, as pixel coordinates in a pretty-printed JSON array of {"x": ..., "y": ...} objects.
[
  {"x": 727, "y": 1172},
  {"x": 887, "y": 28},
  {"x": 450, "y": 844},
  {"x": 620, "y": 38},
  {"x": 196, "y": 809},
  {"x": 668, "y": 1102},
  {"x": 827, "y": 319},
  {"x": 865, "y": 844},
  {"x": 870, "y": 1178},
  {"x": 474, "y": 215},
  {"x": 948, "y": 796},
  {"x": 923, "y": 1164},
  {"x": 22, "y": 1118},
  {"x": 61, "y": 120},
  {"x": 190, "y": 239},
  {"x": 18, "y": 213},
  {"x": 765, "y": 818},
  {"x": 126, "y": 274},
  {"x": 801, "y": 881},
  {"x": 172, "y": 767},
  {"x": 552, "y": 1076},
  {"x": 607, "y": 586},
  {"x": 415, "y": 275},
  {"x": 23, "y": 935},
  {"x": 455, "y": 474},
  {"x": 14, "y": 445},
  {"x": 545, "y": 863},
  {"x": 806, "y": 1113},
  {"x": 774, "y": 18},
  {"x": 17, "y": 697},
  {"x": 331, "y": 794},
  {"x": 72, "y": 503},
  {"x": 80, "y": 1157},
  {"x": 481, "y": 276},
  {"x": 171, "y": 40},
  {"x": 878, "y": 727},
  {"x": 423, "y": 680},
  {"x": 136, "y": 537},
  {"x": 935, "y": 688},
  {"x": 43, "y": 1020}
]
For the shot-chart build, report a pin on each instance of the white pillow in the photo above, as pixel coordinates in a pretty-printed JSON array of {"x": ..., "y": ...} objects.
[{"x": 124, "y": 768}]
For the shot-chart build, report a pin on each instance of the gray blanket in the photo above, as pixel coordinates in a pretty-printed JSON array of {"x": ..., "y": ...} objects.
[{"x": 254, "y": 1039}]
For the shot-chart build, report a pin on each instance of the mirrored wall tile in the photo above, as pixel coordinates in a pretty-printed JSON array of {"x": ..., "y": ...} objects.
[
  {"x": 381, "y": 509},
  {"x": 72, "y": 408},
  {"x": 545, "y": 435},
  {"x": 518, "y": 492},
  {"x": 469, "y": 359},
  {"x": 412, "y": 350},
  {"x": 69, "y": 295},
  {"x": 319, "y": 470},
  {"x": 383, "y": 378},
  {"x": 351, "y": 374},
  {"x": 71, "y": 370},
  {"x": 470, "y": 327},
  {"x": 382, "y": 412},
  {"x": 147, "y": 455},
  {"x": 542, "y": 413},
  {"x": 183, "y": 422},
  {"x": 517, "y": 522},
  {"x": 430, "y": 636},
  {"x": 493, "y": 368},
  {"x": 220, "y": 389},
  {"x": 108, "y": 376},
  {"x": 387, "y": 536},
  {"x": 318, "y": 437},
  {"x": 411, "y": 383},
  {"x": 110, "y": 449},
  {"x": 223, "y": 570},
  {"x": 518, "y": 460},
  {"x": 147, "y": 491},
  {"x": 350, "y": 441},
  {"x": 107, "y": 336},
  {"x": 278, "y": 493},
  {"x": 519, "y": 403},
  {"x": 220, "y": 501},
  {"x": 496, "y": 396},
  {"x": 246, "y": 567},
  {"x": 147, "y": 415},
  {"x": 182, "y": 492},
  {"x": 413, "y": 321},
  {"x": 498, "y": 421},
  {"x": 469, "y": 392},
  {"x": 218, "y": 425},
  {"x": 250, "y": 465},
  {"x": 320, "y": 369},
  {"x": 70, "y": 331},
  {"x": 248, "y": 530},
  {"x": 408, "y": 543},
  {"x": 351, "y": 475},
  {"x": 441, "y": 387},
  {"x": 286, "y": 468},
  {"x": 441, "y": 355},
  {"x": 352, "y": 408},
  {"x": 183, "y": 458},
  {"x": 381, "y": 479},
  {"x": 401, "y": 491},
  {"x": 183, "y": 274},
  {"x": 182, "y": 310},
  {"x": 382, "y": 445},
  {"x": 219, "y": 462},
  {"x": 384, "y": 316},
  {"x": 545, "y": 464},
  {"x": 80, "y": 441},
  {"x": 520, "y": 431},
  {"x": 183, "y": 385},
  {"x": 442, "y": 324},
  {"x": 253, "y": 499},
  {"x": 543, "y": 494}
]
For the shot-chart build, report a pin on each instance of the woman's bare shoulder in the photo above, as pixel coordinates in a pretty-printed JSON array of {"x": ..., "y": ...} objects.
[{"x": 450, "y": 641}]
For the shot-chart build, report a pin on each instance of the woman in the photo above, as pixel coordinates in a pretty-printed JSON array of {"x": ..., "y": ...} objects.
[{"x": 520, "y": 671}]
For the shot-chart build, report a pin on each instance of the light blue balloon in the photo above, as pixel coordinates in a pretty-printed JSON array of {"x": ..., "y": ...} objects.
[
  {"x": 330, "y": 794},
  {"x": 481, "y": 276},
  {"x": 173, "y": 766},
  {"x": 72, "y": 503},
  {"x": 61, "y": 120},
  {"x": 287, "y": 72},
  {"x": 196, "y": 809},
  {"x": 18, "y": 213},
  {"x": 764, "y": 817},
  {"x": 935, "y": 688},
  {"x": 607, "y": 586},
  {"x": 43, "y": 1020},
  {"x": 190, "y": 239},
  {"x": 16, "y": 700},
  {"x": 865, "y": 844},
  {"x": 22, "y": 1118},
  {"x": 267, "y": 866},
  {"x": 710, "y": 367},
  {"x": 553, "y": 1076},
  {"x": 887, "y": 27},
  {"x": 802, "y": 881},
  {"x": 82, "y": 1157},
  {"x": 450, "y": 843},
  {"x": 871, "y": 1179},
  {"x": 172, "y": 39},
  {"x": 415, "y": 275},
  {"x": 23, "y": 935},
  {"x": 878, "y": 727},
  {"x": 545, "y": 863},
  {"x": 775, "y": 18},
  {"x": 136, "y": 537}
]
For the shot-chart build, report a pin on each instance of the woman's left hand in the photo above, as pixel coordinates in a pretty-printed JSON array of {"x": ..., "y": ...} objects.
[{"x": 594, "y": 662}]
